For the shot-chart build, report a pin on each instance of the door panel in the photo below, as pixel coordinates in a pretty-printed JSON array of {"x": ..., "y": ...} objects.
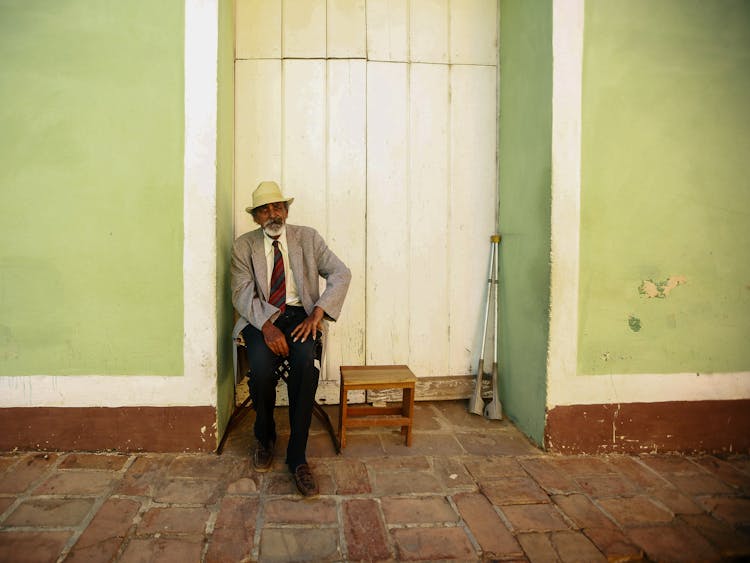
[
  {"x": 257, "y": 132},
  {"x": 346, "y": 204},
  {"x": 429, "y": 218},
  {"x": 387, "y": 313}
]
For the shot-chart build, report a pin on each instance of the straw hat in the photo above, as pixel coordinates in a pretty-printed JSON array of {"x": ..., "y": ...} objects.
[{"x": 265, "y": 193}]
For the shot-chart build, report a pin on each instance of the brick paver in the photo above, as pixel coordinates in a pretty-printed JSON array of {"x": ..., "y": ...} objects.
[
  {"x": 299, "y": 544},
  {"x": 174, "y": 520},
  {"x": 549, "y": 477},
  {"x": 415, "y": 544},
  {"x": 614, "y": 544},
  {"x": 89, "y": 483},
  {"x": 106, "y": 462},
  {"x": 534, "y": 518},
  {"x": 635, "y": 511},
  {"x": 607, "y": 485},
  {"x": 571, "y": 547},
  {"x": 538, "y": 547},
  {"x": 50, "y": 512},
  {"x": 418, "y": 510},
  {"x": 733, "y": 510},
  {"x": 297, "y": 511},
  {"x": 401, "y": 482},
  {"x": 183, "y": 490},
  {"x": 364, "y": 530},
  {"x": 486, "y": 526},
  {"x": 350, "y": 477},
  {"x": 164, "y": 550},
  {"x": 102, "y": 539},
  {"x": 25, "y": 470},
  {"x": 725, "y": 471},
  {"x": 31, "y": 547},
  {"x": 513, "y": 490},
  {"x": 582, "y": 511},
  {"x": 674, "y": 543},
  {"x": 469, "y": 490}
]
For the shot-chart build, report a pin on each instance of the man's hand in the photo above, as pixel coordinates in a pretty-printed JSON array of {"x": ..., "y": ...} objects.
[
  {"x": 311, "y": 325},
  {"x": 275, "y": 339}
]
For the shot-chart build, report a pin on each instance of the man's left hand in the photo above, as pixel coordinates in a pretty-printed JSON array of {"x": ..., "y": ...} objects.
[{"x": 310, "y": 326}]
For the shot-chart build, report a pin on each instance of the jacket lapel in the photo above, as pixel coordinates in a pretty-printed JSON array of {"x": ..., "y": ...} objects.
[
  {"x": 295, "y": 257},
  {"x": 260, "y": 265}
]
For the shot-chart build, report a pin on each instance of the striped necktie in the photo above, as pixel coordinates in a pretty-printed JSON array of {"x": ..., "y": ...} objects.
[{"x": 278, "y": 281}]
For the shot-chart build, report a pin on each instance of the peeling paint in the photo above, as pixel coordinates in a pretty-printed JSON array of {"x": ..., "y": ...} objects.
[{"x": 660, "y": 289}]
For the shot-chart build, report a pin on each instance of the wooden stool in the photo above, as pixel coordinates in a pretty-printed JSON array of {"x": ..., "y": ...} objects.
[{"x": 371, "y": 378}]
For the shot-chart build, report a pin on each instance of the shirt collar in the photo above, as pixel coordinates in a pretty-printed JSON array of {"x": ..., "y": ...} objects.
[{"x": 268, "y": 241}]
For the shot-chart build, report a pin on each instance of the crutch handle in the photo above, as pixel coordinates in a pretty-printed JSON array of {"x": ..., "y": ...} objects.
[{"x": 495, "y": 238}]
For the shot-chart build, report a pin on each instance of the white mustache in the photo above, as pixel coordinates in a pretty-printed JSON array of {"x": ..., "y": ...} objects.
[{"x": 273, "y": 223}]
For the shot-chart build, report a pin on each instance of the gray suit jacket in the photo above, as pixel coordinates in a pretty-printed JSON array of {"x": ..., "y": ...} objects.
[{"x": 310, "y": 260}]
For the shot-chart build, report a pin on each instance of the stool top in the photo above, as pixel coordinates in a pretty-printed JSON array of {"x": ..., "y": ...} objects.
[{"x": 363, "y": 375}]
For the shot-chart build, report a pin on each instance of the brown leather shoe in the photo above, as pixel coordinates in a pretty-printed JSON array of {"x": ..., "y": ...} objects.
[
  {"x": 262, "y": 457},
  {"x": 305, "y": 481}
]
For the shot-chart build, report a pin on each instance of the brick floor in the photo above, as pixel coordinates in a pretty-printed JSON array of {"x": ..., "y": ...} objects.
[{"x": 468, "y": 490}]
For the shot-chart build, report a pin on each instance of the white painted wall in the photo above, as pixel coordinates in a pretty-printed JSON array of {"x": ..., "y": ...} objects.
[{"x": 380, "y": 118}]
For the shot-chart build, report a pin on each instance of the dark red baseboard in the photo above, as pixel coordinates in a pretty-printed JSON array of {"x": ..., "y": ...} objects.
[
  {"x": 718, "y": 427},
  {"x": 126, "y": 429}
]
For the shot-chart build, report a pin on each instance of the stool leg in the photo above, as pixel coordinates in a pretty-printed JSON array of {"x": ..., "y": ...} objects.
[
  {"x": 342, "y": 413},
  {"x": 407, "y": 405}
]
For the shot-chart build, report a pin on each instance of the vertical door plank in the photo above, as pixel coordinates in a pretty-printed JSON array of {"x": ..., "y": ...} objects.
[
  {"x": 387, "y": 30},
  {"x": 304, "y": 141},
  {"x": 473, "y": 32},
  {"x": 428, "y": 220},
  {"x": 387, "y": 214},
  {"x": 258, "y": 28},
  {"x": 346, "y": 29},
  {"x": 473, "y": 204},
  {"x": 304, "y": 29},
  {"x": 428, "y": 31},
  {"x": 347, "y": 205},
  {"x": 258, "y": 133}
]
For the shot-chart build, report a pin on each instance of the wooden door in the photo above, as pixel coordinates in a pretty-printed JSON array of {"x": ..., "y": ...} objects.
[{"x": 380, "y": 118}]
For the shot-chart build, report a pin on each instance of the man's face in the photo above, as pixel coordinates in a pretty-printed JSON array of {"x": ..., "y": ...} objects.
[{"x": 271, "y": 217}]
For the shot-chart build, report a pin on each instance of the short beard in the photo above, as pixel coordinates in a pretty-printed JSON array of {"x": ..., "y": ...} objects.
[{"x": 273, "y": 227}]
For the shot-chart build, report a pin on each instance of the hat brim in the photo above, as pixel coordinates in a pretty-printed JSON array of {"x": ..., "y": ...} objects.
[{"x": 287, "y": 200}]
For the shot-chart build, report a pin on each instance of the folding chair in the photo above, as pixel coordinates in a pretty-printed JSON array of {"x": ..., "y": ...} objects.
[{"x": 282, "y": 372}]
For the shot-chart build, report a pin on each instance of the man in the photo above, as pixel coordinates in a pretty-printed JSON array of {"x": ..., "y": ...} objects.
[{"x": 275, "y": 289}]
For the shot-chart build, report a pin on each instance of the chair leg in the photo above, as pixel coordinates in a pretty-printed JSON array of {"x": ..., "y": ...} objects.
[{"x": 236, "y": 417}]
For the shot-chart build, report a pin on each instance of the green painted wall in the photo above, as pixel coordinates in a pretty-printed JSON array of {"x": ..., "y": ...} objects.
[
  {"x": 224, "y": 211},
  {"x": 91, "y": 168},
  {"x": 665, "y": 199},
  {"x": 525, "y": 199}
]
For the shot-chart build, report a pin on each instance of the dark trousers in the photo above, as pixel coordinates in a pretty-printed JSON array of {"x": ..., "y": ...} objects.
[{"x": 302, "y": 383}]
